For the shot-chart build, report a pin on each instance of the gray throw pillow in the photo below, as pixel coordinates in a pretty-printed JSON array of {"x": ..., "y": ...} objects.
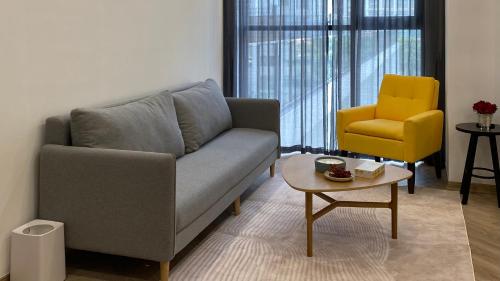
[
  {"x": 202, "y": 112},
  {"x": 148, "y": 124}
]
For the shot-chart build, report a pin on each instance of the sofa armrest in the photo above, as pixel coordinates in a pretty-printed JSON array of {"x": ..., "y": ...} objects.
[
  {"x": 350, "y": 115},
  {"x": 263, "y": 114},
  {"x": 111, "y": 201},
  {"x": 423, "y": 134}
]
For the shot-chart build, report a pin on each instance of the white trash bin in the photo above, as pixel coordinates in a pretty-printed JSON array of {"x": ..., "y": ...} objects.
[{"x": 37, "y": 252}]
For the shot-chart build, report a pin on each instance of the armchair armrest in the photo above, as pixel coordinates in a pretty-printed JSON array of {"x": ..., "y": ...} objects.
[
  {"x": 111, "y": 201},
  {"x": 350, "y": 115},
  {"x": 423, "y": 134},
  {"x": 263, "y": 114}
]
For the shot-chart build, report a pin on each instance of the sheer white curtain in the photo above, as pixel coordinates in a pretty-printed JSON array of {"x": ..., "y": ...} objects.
[{"x": 317, "y": 56}]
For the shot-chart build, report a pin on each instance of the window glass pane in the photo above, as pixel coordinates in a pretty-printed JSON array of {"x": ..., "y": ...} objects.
[
  {"x": 288, "y": 65},
  {"x": 339, "y": 68},
  {"x": 389, "y": 8},
  {"x": 276, "y": 12},
  {"x": 386, "y": 51},
  {"x": 339, "y": 12},
  {"x": 262, "y": 12}
]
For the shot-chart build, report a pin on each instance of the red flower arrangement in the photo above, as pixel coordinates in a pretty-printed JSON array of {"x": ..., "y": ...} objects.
[{"x": 484, "y": 107}]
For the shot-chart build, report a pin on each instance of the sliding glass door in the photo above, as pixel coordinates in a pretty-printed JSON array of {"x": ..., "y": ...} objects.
[{"x": 319, "y": 56}]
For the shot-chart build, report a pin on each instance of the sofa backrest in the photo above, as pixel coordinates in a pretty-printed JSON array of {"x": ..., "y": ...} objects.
[
  {"x": 149, "y": 125},
  {"x": 402, "y": 97},
  {"x": 202, "y": 113},
  {"x": 58, "y": 128}
]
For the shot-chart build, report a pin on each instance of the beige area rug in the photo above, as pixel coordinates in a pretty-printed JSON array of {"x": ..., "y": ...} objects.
[{"x": 267, "y": 241}]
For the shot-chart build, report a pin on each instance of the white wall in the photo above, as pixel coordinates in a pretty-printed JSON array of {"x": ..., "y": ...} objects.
[
  {"x": 473, "y": 73},
  {"x": 56, "y": 55}
]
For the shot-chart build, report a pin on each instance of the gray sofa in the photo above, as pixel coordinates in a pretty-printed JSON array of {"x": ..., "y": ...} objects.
[{"x": 147, "y": 204}]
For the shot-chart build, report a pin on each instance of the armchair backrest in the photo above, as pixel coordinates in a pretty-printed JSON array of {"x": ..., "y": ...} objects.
[{"x": 402, "y": 97}]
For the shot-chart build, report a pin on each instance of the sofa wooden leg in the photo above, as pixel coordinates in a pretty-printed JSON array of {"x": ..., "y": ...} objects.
[
  {"x": 437, "y": 164},
  {"x": 411, "y": 181},
  {"x": 272, "y": 170},
  {"x": 236, "y": 207},
  {"x": 164, "y": 270},
  {"x": 343, "y": 153},
  {"x": 377, "y": 159}
]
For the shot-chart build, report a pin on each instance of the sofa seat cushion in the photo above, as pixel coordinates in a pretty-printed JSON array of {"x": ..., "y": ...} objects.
[
  {"x": 148, "y": 124},
  {"x": 381, "y": 128},
  {"x": 202, "y": 112},
  {"x": 205, "y": 176}
]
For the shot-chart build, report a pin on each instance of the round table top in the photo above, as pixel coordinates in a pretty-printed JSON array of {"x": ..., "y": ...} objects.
[
  {"x": 473, "y": 128},
  {"x": 299, "y": 172}
]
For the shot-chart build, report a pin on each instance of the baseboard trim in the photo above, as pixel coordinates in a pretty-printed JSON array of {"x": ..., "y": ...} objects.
[{"x": 5, "y": 278}]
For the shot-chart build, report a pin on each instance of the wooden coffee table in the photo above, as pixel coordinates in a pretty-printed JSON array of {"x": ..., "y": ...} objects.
[{"x": 299, "y": 172}]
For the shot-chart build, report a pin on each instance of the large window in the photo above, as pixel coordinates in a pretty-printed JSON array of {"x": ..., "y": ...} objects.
[
  {"x": 318, "y": 56},
  {"x": 368, "y": 39}
]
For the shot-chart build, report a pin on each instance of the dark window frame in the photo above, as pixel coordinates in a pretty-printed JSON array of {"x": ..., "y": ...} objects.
[{"x": 364, "y": 22}]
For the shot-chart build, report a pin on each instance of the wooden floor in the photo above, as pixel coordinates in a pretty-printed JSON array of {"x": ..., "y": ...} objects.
[
  {"x": 482, "y": 217},
  {"x": 483, "y": 226}
]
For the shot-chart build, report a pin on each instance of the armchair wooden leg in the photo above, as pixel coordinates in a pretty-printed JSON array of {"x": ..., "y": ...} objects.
[
  {"x": 164, "y": 270},
  {"x": 237, "y": 207},
  {"x": 272, "y": 170},
  {"x": 411, "y": 181},
  {"x": 437, "y": 164}
]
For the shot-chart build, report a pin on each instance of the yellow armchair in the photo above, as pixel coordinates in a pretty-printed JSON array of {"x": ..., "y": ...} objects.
[{"x": 404, "y": 125}]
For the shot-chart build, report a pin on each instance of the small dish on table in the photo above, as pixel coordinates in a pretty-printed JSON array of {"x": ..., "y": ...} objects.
[
  {"x": 328, "y": 177},
  {"x": 338, "y": 174}
]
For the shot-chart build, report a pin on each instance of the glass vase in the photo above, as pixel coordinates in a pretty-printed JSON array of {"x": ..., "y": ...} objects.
[{"x": 484, "y": 121}]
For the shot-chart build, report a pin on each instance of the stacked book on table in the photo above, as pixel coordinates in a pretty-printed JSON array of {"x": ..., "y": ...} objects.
[{"x": 369, "y": 170}]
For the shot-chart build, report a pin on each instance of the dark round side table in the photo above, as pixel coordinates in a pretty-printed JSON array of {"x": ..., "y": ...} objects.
[{"x": 476, "y": 132}]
